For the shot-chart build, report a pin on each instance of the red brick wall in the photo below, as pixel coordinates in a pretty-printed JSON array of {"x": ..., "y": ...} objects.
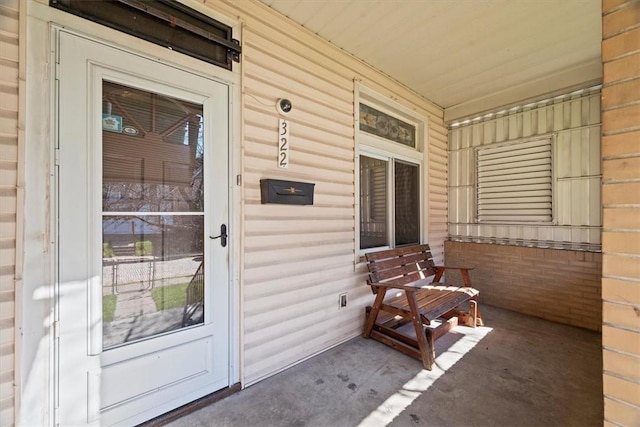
[{"x": 559, "y": 285}]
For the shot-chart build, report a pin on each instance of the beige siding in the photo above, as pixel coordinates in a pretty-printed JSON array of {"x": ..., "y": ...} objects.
[
  {"x": 297, "y": 259},
  {"x": 574, "y": 122},
  {"x": 621, "y": 207},
  {"x": 9, "y": 55}
]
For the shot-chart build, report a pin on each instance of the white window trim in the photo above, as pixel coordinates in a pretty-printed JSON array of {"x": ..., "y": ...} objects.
[{"x": 377, "y": 147}]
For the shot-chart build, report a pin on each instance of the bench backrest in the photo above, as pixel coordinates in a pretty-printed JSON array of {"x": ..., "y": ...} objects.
[{"x": 403, "y": 265}]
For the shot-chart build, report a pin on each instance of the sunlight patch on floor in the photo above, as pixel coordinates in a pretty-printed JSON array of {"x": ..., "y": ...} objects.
[{"x": 398, "y": 402}]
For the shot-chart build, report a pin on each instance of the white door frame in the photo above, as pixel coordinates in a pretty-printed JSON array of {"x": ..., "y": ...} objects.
[{"x": 233, "y": 192}]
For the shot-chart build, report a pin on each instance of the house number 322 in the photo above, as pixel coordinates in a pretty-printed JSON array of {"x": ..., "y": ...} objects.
[{"x": 283, "y": 143}]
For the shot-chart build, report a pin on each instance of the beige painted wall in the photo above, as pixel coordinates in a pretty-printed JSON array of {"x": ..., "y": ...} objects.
[{"x": 621, "y": 211}]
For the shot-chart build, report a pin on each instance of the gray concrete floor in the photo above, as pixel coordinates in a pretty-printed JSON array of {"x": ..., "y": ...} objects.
[{"x": 515, "y": 371}]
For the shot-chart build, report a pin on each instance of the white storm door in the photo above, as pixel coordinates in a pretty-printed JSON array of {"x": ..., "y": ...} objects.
[{"x": 142, "y": 194}]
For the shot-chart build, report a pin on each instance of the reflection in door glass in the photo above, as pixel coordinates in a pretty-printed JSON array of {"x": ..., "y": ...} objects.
[{"x": 153, "y": 214}]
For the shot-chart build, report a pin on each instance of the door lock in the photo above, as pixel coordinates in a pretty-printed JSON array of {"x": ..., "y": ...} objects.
[{"x": 222, "y": 236}]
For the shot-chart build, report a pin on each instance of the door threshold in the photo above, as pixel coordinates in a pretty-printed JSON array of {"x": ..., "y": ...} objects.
[{"x": 190, "y": 407}]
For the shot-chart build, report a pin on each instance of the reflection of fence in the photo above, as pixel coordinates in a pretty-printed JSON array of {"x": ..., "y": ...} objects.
[
  {"x": 129, "y": 273},
  {"x": 135, "y": 273},
  {"x": 194, "y": 307}
]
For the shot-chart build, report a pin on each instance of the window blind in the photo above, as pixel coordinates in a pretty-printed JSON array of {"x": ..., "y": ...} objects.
[{"x": 515, "y": 182}]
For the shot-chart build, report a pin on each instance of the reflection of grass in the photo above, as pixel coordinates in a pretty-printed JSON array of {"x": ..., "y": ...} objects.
[
  {"x": 144, "y": 248},
  {"x": 171, "y": 296},
  {"x": 107, "y": 252},
  {"x": 108, "y": 307}
]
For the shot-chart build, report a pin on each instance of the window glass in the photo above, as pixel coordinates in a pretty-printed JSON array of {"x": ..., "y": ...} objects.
[
  {"x": 153, "y": 214},
  {"x": 388, "y": 127},
  {"x": 373, "y": 202},
  {"x": 407, "y": 207}
]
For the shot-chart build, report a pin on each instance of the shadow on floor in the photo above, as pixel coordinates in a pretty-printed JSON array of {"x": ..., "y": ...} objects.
[{"x": 515, "y": 371}]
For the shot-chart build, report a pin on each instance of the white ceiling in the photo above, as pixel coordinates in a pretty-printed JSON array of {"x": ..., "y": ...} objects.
[{"x": 468, "y": 56}]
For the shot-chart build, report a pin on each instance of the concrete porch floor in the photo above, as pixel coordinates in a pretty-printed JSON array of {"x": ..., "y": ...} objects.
[{"x": 515, "y": 371}]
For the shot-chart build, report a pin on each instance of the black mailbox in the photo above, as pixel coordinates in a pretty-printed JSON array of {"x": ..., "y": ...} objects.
[{"x": 286, "y": 192}]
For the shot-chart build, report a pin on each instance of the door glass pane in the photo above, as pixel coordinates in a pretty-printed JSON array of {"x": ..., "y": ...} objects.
[
  {"x": 373, "y": 203},
  {"x": 407, "y": 208},
  {"x": 153, "y": 214}
]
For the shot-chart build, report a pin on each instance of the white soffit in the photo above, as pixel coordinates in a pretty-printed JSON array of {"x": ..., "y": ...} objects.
[{"x": 468, "y": 56}]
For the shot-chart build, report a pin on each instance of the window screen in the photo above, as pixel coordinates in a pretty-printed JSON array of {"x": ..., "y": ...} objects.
[{"x": 515, "y": 182}]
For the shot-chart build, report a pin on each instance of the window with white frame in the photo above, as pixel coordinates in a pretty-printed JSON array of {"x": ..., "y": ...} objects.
[
  {"x": 515, "y": 182},
  {"x": 391, "y": 172}
]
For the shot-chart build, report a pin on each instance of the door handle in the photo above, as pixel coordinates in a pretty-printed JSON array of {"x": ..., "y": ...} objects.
[{"x": 222, "y": 236}]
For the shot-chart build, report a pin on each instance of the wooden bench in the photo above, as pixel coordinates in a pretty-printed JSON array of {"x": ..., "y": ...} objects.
[{"x": 425, "y": 309}]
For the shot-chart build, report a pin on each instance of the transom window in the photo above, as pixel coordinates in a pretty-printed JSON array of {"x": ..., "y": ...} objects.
[{"x": 386, "y": 126}]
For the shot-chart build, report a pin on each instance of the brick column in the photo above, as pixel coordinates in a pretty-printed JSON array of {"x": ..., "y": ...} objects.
[{"x": 621, "y": 211}]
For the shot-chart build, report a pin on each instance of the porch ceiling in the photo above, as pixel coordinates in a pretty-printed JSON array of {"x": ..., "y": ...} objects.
[{"x": 468, "y": 56}]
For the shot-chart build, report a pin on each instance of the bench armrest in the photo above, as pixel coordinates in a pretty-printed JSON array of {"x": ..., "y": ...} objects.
[
  {"x": 456, "y": 267},
  {"x": 464, "y": 272}
]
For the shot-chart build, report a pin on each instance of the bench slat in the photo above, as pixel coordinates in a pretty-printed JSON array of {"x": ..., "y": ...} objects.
[
  {"x": 402, "y": 270},
  {"x": 400, "y": 261},
  {"x": 390, "y": 253},
  {"x": 401, "y": 279},
  {"x": 435, "y": 302}
]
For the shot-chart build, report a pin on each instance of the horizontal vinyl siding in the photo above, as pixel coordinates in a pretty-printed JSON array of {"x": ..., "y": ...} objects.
[
  {"x": 292, "y": 278},
  {"x": 9, "y": 55},
  {"x": 438, "y": 181},
  {"x": 297, "y": 259},
  {"x": 574, "y": 123}
]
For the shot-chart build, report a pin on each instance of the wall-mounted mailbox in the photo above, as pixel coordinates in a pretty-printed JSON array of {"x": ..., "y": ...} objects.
[{"x": 286, "y": 192}]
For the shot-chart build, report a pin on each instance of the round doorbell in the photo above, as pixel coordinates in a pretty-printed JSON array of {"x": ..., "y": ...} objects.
[{"x": 284, "y": 106}]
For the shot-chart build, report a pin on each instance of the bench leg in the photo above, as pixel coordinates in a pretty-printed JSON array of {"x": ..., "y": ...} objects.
[
  {"x": 426, "y": 341},
  {"x": 373, "y": 314},
  {"x": 429, "y": 357}
]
